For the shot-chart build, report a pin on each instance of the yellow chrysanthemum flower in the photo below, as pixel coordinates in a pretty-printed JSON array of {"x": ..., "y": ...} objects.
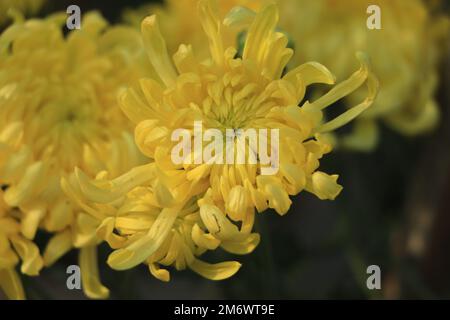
[
  {"x": 404, "y": 55},
  {"x": 58, "y": 102},
  {"x": 143, "y": 212},
  {"x": 180, "y": 22},
  {"x": 26, "y": 7}
]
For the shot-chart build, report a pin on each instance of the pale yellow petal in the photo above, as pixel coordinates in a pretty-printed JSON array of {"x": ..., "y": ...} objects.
[
  {"x": 311, "y": 72},
  {"x": 185, "y": 60},
  {"x": 203, "y": 239},
  {"x": 59, "y": 216},
  {"x": 58, "y": 246},
  {"x": 242, "y": 247},
  {"x": 30, "y": 183},
  {"x": 106, "y": 232},
  {"x": 212, "y": 28},
  {"x": 218, "y": 271},
  {"x": 11, "y": 284},
  {"x": 90, "y": 278},
  {"x": 31, "y": 220},
  {"x": 32, "y": 262},
  {"x": 140, "y": 250},
  {"x": 259, "y": 32},
  {"x": 217, "y": 223},
  {"x": 343, "y": 89},
  {"x": 239, "y": 17},
  {"x": 157, "y": 272},
  {"x": 324, "y": 186},
  {"x": 105, "y": 192},
  {"x": 157, "y": 50},
  {"x": 133, "y": 107},
  {"x": 237, "y": 202}
]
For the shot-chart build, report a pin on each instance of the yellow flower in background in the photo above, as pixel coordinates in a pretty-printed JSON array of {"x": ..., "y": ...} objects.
[
  {"x": 180, "y": 22},
  {"x": 404, "y": 54},
  {"x": 26, "y": 7},
  {"x": 59, "y": 110},
  {"x": 144, "y": 212},
  {"x": 14, "y": 248}
]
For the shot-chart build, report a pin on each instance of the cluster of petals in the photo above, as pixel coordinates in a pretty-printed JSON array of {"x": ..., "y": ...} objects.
[{"x": 166, "y": 214}]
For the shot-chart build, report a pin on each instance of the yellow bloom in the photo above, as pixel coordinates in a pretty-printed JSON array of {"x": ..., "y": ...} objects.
[
  {"x": 223, "y": 92},
  {"x": 404, "y": 55},
  {"x": 58, "y": 105},
  {"x": 26, "y": 7}
]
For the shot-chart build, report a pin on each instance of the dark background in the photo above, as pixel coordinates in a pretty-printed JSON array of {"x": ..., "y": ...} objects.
[{"x": 394, "y": 212}]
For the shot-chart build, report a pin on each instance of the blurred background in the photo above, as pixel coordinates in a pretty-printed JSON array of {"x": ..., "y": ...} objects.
[{"x": 394, "y": 212}]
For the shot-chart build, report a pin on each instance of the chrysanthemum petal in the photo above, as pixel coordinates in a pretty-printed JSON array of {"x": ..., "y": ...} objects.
[
  {"x": 140, "y": 250},
  {"x": 32, "y": 262},
  {"x": 106, "y": 232},
  {"x": 212, "y": 28},
  {"x": 30, "y": 222},
  {"x": 324, "y": 186},
  {"x": 135, "y": 109},
  {"x": 260, "y": 30},
  {"x": 90, "y": 275},
  {"x": 217, "y": 223},
  {"x": 157, "y": 50},
  {"x": 218, "y": 271},
  {"x": 242, "y": 247},
  {"x": 30, "y": 182},
  {"x": 237, "y": 203},
  {"x": 11, "y": 284},
  {"x": 159, "y": 273},
  {"x": 239, "y": 17},
  {"x": 203, "y": 239},
  {"x": 112, "y": 190},
  {"x": 345, "y": 88},
  {"x": 311, "y": 72},
  {"x": 58, "y": 245}
]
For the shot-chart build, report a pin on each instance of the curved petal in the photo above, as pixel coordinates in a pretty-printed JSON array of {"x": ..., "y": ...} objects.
[
  {"x": 105, "y": 232},
  {"x": 157, "y": 272},
  {"x": 109, "y": 191},
  {"x": 211, "y": 26},
  {"x": 32, "y": 262},
  {"x": 203, "y": 239},
  {"x": 324, "y": 186},
  {"x": 157, "y": 50},
  {"x": 31, "y": 181},
  {"x": 343, "y": 89},
  {"x": 218, "y": 271},
  {"x": 217, "y": 223},
  {"x": 260, "y": 30},
  {"x": 31, "y": 220},
  {"x": 58, "y": 246},
  {"x": 92, "y": 286},
  {"x": 140, "y": 250},
  {"x": 242, "y": 247},
  {"x": 11, "y": 284}
]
